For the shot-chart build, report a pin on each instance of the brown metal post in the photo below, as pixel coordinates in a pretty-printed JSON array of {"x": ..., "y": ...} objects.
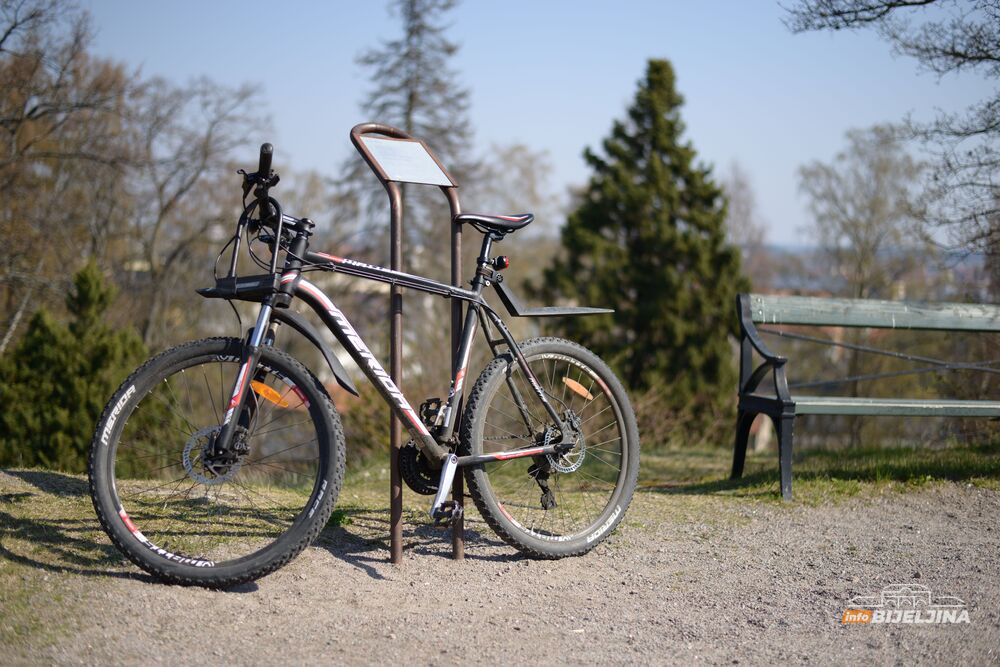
[
  {"x": 395, "y": 372},
  {"x": 457, "y": 489},
  {"x": 395, "y": 192}
]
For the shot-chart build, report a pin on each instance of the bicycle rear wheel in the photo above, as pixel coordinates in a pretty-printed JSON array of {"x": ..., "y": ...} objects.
[
  {"x": 189, "y": 514},
  {"x": 552, "y": 506}
]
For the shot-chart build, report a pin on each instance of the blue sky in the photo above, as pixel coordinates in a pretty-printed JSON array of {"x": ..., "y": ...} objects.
[{"x": 553, "y": 75}]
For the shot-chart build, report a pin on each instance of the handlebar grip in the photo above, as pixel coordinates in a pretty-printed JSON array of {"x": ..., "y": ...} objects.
[{"x": 266, "y": 152}]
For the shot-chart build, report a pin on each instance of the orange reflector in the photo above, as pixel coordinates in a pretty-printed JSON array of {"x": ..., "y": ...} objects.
[
  {"x": 269, "y": 394},
  {"x": 577, "y": 388}
]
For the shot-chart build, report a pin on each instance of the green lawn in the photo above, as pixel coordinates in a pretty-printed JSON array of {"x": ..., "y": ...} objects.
[{"x": 821, "y": 475}]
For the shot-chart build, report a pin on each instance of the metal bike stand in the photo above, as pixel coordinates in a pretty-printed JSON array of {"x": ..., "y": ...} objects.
[
  {"x": 457, "y": 491},
  {"x": 394, "y": 190}
]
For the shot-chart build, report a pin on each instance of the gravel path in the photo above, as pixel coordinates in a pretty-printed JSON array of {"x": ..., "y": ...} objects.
[{"x": 685, "y": 579}]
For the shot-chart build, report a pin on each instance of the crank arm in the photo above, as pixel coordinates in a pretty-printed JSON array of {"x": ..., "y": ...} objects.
[{"x": 448, "y": 467}]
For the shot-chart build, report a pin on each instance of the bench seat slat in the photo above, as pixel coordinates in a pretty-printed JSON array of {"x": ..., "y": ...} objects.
[
  {"x": 817, "y": 311},
  {"x": 837, "y": 405}
]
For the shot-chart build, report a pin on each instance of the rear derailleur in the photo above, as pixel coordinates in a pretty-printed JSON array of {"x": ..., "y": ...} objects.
[{"x": 567, "y": 459}]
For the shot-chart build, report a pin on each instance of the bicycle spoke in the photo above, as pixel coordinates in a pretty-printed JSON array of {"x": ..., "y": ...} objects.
[
  {"x": 192, "y": 499},
  {"x": 568, "y": 496},
  {"x": 211, "y": 398}
]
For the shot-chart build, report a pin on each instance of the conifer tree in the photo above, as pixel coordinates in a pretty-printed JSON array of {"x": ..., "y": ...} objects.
[
  {"x": 415, "y": 88},
  {"x": 55, "y": 384},
  {"x": 649, "y": 240}
]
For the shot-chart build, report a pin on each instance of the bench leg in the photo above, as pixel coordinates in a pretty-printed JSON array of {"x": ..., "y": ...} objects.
[
  {"x": 786, "y": 431},
  {"x": 743, "y": 423}
]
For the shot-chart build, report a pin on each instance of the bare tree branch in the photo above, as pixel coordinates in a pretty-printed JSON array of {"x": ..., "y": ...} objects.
[{"x": 953, "y": 36}]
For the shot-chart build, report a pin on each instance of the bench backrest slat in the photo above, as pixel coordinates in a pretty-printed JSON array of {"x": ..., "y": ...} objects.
[{"x": 817, "y": 311}]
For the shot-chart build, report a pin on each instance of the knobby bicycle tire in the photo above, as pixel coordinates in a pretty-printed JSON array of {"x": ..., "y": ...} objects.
[
  {"x": 591, "y": 486},
  {"x": 215, "y": 522}
]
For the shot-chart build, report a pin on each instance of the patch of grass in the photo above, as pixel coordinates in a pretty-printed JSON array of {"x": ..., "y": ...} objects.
[
  {"x": 821, "y": 475},
  {"x": 47, "y": 529},
  {"x": 340, "y": 517}
]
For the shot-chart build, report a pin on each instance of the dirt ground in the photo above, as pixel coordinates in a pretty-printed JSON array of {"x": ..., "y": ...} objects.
[{"x": 686, "y": 578}]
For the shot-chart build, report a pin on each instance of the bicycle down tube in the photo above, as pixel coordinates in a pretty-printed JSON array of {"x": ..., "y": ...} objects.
[{"x": 348, "y": 337}]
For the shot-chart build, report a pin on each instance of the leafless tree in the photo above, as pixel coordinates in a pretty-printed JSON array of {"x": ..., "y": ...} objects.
[
  {"x": 744, "y": 225},
  {"x": 865, "y": 211},
  {"x": 515, "y": 178},
  {"x": 864, "y": 220},
  {"x": 944, "y": 37},
  {"x": 59, "y": 148},
  {"x": 185, "y": 138}
]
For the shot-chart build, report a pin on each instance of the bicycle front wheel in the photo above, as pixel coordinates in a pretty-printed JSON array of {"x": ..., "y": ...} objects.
[
  {"x": 190, "y": 514},
  {"x": 557, "y": 505}
]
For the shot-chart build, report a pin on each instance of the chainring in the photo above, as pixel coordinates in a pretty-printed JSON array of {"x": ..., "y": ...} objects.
[{"x": 415, "y": 470}]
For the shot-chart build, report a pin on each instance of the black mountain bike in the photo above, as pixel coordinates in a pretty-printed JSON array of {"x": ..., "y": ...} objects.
[{"x": 219, "y": 460}]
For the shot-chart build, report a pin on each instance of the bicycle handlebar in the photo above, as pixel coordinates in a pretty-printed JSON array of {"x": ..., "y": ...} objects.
[{"x": 264, "y": 165}]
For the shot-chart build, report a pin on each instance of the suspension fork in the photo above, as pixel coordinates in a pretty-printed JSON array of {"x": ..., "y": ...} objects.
[{"x": 249, "y": 358}]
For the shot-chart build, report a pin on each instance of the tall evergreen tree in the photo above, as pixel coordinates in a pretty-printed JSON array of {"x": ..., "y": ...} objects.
[
  {"x": 414, "y": 86},
  {"x": 649, "y": 239},
  {"x": 415, "y": 89},
  {"x": 54, "y": 386}
]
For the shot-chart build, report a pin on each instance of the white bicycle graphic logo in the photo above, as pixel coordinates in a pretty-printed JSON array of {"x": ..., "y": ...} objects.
[{"x": 900, "y": 596}]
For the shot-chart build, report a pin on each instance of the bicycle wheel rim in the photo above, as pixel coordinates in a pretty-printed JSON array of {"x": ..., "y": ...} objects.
[
  {"x": 188, "y": 510},
  {"x": 586, "y": 494}
]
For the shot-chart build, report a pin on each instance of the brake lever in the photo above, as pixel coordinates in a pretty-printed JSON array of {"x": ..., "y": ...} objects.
[
  {"x": 248, "y": 182},
  {"x": 263, "y": 182}
]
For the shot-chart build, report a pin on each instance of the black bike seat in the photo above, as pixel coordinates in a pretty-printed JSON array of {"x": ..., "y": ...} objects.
[{"x": 496, "y": 223}]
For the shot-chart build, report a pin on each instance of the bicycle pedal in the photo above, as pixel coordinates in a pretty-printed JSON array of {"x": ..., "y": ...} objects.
[{"x": 449, "y": 514}]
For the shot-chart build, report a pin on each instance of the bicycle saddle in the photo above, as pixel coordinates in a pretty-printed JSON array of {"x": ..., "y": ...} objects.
[{"x": 503, "y": 224}]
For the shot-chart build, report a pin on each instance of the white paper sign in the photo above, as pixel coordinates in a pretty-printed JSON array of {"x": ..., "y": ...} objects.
[{"x": 405, "y": 161}]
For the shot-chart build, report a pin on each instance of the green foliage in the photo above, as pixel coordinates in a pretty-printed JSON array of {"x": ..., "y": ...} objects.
[
  {"x": 54, "y": 385},
  {"x": 366, "y": 426},
  {"x": 649, "y": 240}
]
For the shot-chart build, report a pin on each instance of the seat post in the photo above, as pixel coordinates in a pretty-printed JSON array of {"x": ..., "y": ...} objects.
[{"x": 484, "y": 253}]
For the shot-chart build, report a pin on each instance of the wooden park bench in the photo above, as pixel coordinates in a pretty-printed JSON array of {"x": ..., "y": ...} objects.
[{"x": 783, "y": 407}]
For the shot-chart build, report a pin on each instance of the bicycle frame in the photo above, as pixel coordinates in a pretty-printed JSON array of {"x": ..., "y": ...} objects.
[
  {"x": 340, "y": 326},
  {"x": 277, "y": 289},
  {"x": 436, "y": 446}
]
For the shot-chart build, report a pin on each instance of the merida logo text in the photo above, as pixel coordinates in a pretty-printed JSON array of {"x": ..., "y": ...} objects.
[
  {"x": 370, "y": 359},
  {"x": 113, "y": 417}
]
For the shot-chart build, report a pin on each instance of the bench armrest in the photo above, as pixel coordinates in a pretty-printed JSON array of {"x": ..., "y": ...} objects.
[{"x": 749, "y": 329}]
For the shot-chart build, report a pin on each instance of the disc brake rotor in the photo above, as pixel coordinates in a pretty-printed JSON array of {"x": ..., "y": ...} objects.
[
  {"x": 196, "y": 456},
  {"x": 568, "y": 461}
]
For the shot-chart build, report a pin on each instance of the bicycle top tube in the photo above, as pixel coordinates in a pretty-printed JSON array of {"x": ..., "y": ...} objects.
[{"x": 358, "y": 269}]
